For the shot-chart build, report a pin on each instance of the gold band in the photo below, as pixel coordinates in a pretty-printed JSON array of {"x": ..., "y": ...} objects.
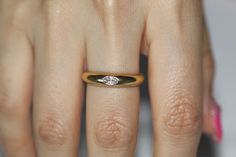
[{"x": 116, "y": 80}]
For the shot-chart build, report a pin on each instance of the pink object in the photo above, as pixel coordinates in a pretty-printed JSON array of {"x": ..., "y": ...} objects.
[{"x": 216, "y": 117}]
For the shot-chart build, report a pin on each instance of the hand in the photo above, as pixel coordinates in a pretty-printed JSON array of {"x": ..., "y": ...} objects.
[{"x": 46, "y": 45}]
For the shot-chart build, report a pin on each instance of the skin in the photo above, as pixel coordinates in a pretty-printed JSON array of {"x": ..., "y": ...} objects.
[{"x": 46, "y": 45}]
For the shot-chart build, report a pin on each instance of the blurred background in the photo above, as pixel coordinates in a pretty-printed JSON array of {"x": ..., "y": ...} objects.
[{"x": 221, "y": 18}]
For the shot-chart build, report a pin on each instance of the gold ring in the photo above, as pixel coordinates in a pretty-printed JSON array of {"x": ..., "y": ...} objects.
[{"x": 116, "y": 80}]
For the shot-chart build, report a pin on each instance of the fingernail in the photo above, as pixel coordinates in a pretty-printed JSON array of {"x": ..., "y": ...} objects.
[{"x": 216, "y": 117}]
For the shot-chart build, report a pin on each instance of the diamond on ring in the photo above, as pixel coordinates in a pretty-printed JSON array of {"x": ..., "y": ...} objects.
[{"x": 110, "y": 80}]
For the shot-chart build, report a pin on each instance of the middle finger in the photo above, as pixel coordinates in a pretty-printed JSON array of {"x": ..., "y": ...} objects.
[{"x": 59, "y": 48}]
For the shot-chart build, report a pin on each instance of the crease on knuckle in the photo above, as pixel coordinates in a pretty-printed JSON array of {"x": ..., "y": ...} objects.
[
  {"x": 182, "y": 116},
  {"x": 113, "y": 133},
  {"x": 51, "y": 131}
]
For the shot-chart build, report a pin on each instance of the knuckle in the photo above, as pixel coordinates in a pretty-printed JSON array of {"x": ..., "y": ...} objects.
[
  {"x": 13, "y": 102},
  {"x": 107, "y": 3},
  {"x": 113, "y": 132},
  {"x": 51, "y": 131},
  {"x": 54, "y": 6},
  {"x": 17, "y": 13},
  {"x": 182, "y": 116},
  {"x": 9, "y": 105},
  {"x": 57, "y": 18},
  {"x": 55, "y": 11},
  {"x": 111, "y": 6}
]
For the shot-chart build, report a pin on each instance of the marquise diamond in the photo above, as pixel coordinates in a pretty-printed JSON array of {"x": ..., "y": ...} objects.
[{"x": 110, "y": 80}]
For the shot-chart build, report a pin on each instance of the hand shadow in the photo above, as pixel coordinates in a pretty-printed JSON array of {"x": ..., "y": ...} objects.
[{"x": 206, "y": 147}]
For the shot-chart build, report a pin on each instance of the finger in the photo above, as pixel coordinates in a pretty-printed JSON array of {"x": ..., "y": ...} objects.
[
  {"x": 212, "y": 119},
  {"x": 58, "y": 87},
  {"x": 112, "y": 113},
  {"x": 174, "y": 33},
  {"x": 16, "y": 64}
]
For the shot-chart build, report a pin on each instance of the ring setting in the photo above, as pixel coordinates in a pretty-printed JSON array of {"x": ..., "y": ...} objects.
[{"x": 110, "y": 80}]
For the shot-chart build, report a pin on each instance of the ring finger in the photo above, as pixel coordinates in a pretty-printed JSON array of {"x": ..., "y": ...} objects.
[{"x": 112, "y": 113}]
